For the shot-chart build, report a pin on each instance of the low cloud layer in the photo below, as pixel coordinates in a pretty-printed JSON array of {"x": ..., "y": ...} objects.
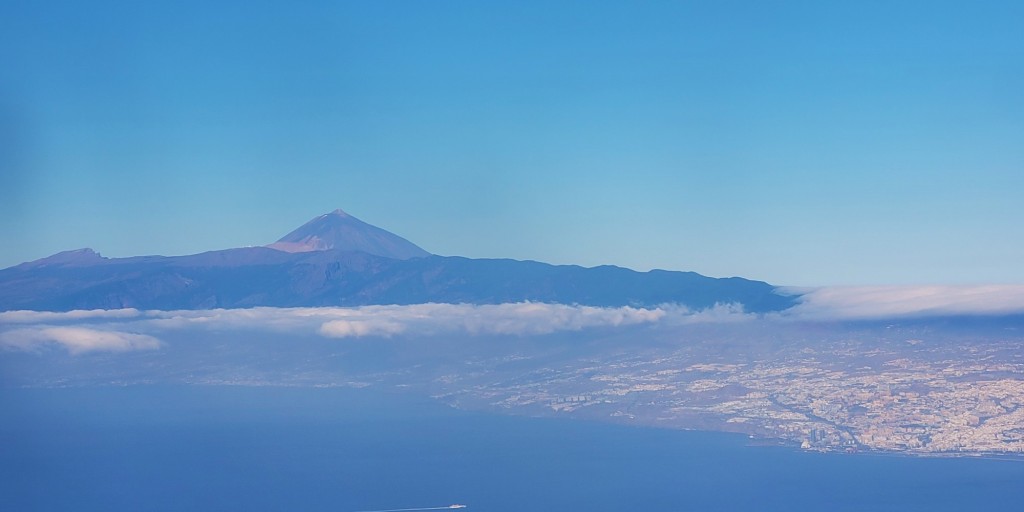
[
  {"x": 866, "y": 302},
  {"x": 77, "y": 340},
  {"x": 35, "y": 317},
  {"x": 513, "y": 319},
  {"x": 130, "y": 329}
]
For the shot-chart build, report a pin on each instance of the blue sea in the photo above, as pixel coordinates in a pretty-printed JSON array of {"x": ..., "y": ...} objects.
[{"x": 195, "y": 448}]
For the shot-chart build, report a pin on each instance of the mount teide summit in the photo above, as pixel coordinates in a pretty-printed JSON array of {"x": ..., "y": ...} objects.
[
  {"x": 340, "y": 231},
  {"x": 339, "y": 260}
]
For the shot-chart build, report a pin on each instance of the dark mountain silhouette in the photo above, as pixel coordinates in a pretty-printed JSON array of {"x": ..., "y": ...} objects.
[{"x": 338, "y": 260}]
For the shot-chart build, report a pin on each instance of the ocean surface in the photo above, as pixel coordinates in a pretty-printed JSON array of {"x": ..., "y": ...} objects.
[{"x": 341, "y": 450}]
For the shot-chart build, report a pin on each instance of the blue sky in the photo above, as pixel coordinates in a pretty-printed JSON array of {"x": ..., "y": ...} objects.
[{"x": 802, "y": 143}]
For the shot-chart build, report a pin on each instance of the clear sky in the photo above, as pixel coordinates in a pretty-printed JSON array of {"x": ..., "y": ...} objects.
[{"x": 802, "y": 143}]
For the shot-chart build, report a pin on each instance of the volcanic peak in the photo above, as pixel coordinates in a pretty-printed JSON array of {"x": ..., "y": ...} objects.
[{"x": 338, "y": 230}]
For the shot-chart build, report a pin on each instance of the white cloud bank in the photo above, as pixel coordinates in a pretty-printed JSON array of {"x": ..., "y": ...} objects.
[
  {"x": 129, "y": 329},
  {"x": 525, "y": 318},
  {"x": 35, "y": 317},
  {"x": 516, "y": 319},
  {"x": 77, "y": 340},
  {"x": 865, "y": 302}
]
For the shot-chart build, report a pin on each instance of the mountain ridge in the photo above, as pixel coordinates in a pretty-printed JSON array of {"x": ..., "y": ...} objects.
[{"x": 330, "y": 276}]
